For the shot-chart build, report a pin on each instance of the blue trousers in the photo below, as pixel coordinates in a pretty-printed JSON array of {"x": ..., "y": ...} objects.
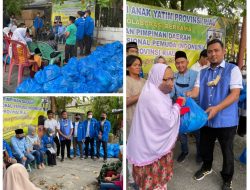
[
  {"x": 184, "y": 142},
  {"x": 29, "y": 157},
  {"x": 38, "y": 155},
  {"x": 106, "y": 186}
]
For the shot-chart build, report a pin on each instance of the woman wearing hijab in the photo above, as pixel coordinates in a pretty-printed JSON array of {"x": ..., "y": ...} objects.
[
  {"x": 154, "y": 130},
  {"x": 48, "y": 147},
  {"x": 22, "y": 35},
  {"x": 16, "y": 177},
  {"x": 33, "y": 142}
]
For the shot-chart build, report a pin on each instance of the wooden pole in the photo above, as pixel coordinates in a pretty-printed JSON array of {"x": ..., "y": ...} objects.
[{"x": 242, "y": 47}]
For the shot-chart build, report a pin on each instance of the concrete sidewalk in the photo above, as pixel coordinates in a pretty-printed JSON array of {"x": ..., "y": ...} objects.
[{"x": 183, "y": 172}]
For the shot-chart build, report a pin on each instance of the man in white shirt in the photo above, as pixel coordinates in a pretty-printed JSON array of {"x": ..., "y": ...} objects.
[
  {"x": 65, "y": 134},
  {"x": 90, "y": 134},
  {"x": 218, "y": 88},
  {"x": 202, "y": 63},
  {"x": 54, "y": 125}
]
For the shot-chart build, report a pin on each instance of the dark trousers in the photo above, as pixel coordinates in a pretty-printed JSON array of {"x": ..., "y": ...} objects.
[
  {"x": 242, "y": 126},
  {"x": 56, "y": 140},
  {"x": 79, "y": 143},
  {"x": 67, "y": 143},
  {"x": 90, "y": 141},
  {"x": 80, "y": 43},
  {"x": 104, "y": 145},
  {"x": 38, "y": 34},
  {"x": 51, "y": 158},
  {"x": 70, "y": 51},
  {"x": 225, "y": 137},
  {"x": 184, "y": 142},
  {"x": 38, "y": 156},
  {"x": 87, "y": 43},
  {"x": 106, "y": 186}
]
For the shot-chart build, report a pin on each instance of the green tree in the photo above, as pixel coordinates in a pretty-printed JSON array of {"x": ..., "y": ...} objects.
[
  {"x": 14, "y": 6},
  {"x": 107, "y": 104},
  {"x": 58, "y": 104}
]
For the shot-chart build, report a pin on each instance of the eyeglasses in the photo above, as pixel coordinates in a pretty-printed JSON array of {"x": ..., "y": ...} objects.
[{"x": 168, "y": 79}]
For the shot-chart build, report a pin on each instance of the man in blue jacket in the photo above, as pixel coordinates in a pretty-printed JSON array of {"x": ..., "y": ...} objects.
[
  {"x": 8, "y": 156},
  {"x": 88, "y": 32},
  {"x": 103, "y": 129},
  {"x": 89, "y": 127},
  {"x": 78, "y": 135},
  {"x": 20, "y": 148},
  {"x": 38, "y": 25},
  {"x": 80, "y": 31}
]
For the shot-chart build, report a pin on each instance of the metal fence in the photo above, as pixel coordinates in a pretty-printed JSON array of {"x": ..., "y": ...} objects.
[{"x": 109, "y": 17}]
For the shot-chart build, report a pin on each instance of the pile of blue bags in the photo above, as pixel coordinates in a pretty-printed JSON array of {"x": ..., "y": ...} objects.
[
  {"x": 112, "y": 150},
  {"x": 100, "y": 72}
]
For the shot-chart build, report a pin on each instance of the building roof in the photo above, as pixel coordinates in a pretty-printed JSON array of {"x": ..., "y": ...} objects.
[{"x": 39, "y": 3}]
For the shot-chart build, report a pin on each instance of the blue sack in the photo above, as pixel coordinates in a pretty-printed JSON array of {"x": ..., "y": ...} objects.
[
  {"x": 49, "y": 73},
  {"x": 193, "y": 120},
  {"x": 71, "y": 68},
  {"x": 243, "y": 156},
  {"x": 29, "y": 85}
]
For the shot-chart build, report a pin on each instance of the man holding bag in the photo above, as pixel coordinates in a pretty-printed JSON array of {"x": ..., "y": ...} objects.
[{"x": 218, "y": 88}]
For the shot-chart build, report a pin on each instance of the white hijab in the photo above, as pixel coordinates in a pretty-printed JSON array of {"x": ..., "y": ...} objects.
[
  {"x": 20, "y": 35},
  {"x": 16, "y": 177},
  {"x": 155, "y": 124}
]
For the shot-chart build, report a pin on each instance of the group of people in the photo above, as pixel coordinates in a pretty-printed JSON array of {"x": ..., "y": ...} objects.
[
  {"x": 155, "y": 106},
  {"x": 26, "y": 149},
  {"x": 78, "y": 33}
]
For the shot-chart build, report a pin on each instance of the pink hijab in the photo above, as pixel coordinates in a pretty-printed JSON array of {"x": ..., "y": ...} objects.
[
  {"x": 155, "y": 124},
  {"x": 16, "y": 177}
]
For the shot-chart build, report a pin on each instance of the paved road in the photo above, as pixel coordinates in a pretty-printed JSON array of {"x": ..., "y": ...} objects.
[{"x": 183, "y": 172}]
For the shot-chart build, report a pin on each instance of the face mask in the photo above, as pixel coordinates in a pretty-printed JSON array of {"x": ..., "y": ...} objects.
[
  {"x": 51, "y": 135},
  {"x": 165, "y": 89},
  {"x": 20, "y": 138},
  {"x": 102, "y": 118},
  {"x": 244, "y": 72},
  {"x": 89, "y": 116}
]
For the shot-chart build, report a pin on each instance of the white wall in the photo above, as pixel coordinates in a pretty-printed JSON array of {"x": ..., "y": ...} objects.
[{"x": 109, "y": 35}]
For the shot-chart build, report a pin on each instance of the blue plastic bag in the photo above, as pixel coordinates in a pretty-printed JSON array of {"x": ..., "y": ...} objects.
[
  {"x": 193, "y": 120},
  {"x": 71, "y": 68},
  {"x": 243, "y": 156},
  {"x": 49, "y": 73},
  {"x": 100, "y": 72},
  {"x": 53, "y": 85},
  {"x": 29, "y": 85}
]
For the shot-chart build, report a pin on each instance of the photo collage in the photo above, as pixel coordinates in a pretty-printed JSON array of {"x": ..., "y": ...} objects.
[{"x": 121, "y": 94}]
